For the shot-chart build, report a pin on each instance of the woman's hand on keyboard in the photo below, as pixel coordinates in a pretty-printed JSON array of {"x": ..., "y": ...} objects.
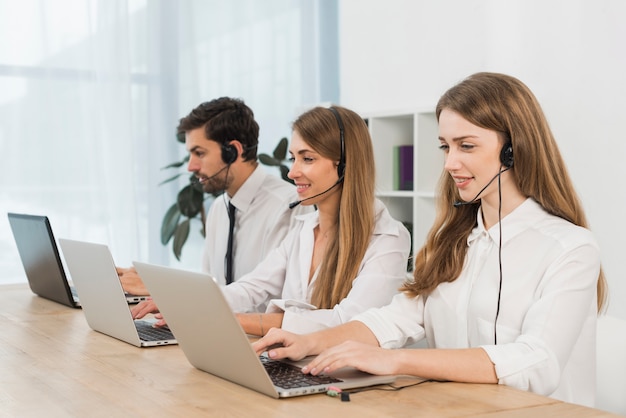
[
  {"x": 143, "y": 308},
  {"x": 282, "y": 344}
]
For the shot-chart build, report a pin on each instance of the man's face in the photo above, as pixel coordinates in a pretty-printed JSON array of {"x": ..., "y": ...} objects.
[{"x": 205, "y": 161}]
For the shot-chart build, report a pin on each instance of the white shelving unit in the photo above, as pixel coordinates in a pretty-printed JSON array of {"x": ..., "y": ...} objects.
[{"x": 417, "y": 128}]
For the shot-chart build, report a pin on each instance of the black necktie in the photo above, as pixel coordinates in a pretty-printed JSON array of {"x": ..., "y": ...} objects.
[{"x": 229, "y": 250}]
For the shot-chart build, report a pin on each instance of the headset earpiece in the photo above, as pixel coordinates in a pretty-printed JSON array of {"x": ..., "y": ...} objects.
[
  {"x": 229, "y": 153},
  {"x": 341, "y": 167},
  {"x": 506, "y": 155}
]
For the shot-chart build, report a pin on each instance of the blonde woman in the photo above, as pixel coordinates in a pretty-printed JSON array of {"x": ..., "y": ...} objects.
[
  {"x": 508, "y": 285},
  {"x": 346, "y": 257}
]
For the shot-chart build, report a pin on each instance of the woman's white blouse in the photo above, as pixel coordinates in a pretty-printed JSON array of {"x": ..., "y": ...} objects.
[
  {"x": 283, "y": 277},
  {"x": 547, "y": 322}
]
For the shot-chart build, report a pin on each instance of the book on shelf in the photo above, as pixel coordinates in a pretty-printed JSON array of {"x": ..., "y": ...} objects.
[{"x": 403, "y": 167}]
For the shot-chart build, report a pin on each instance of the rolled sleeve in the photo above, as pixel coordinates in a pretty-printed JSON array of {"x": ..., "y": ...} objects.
[{"x": 527, "y": 365}]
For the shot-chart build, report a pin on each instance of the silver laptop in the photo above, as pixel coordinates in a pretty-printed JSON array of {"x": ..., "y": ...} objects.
[
  {"x": 213, "y": 341},
  {"x": 42, "y": 263},
  {"x": 102, "y": 296}
]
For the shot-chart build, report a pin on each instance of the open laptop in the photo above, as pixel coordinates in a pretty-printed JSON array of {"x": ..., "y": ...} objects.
[
  {"x": 42, "y": 263},
  {"x": 102, "y": 296},
  {"x": 41, "y": 260},
  {"x": 213, "y": 341}
]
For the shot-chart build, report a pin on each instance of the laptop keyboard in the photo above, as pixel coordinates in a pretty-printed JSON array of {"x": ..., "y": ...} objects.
[
  {"x": 149, "y": 333},
  {"x": 288, "y": 376}
]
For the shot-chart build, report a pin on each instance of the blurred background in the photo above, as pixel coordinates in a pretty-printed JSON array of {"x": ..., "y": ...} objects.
[{"x": 91, "y": 92}]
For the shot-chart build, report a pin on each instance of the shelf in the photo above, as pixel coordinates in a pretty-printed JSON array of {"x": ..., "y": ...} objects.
[{"x": 419, "y": 129}]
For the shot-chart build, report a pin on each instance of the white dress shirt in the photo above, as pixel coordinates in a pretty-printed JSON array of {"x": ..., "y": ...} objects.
[
  {"x": 547, "y": 322},
  {"x": 283, "y": 277},
  {"x": 262, "y": 220}
]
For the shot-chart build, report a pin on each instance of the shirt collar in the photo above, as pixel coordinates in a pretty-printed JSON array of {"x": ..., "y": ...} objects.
[
  {"x": 384, "y": 224},
  {"x": 244, "y": 196},
  {"x": 515, "y": 222}
]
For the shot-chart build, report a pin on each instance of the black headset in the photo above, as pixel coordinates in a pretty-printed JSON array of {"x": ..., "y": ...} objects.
[
  {"x": 229, "y": 153},
  {"x": 506, "y": 155},
  {"x": 342, "y": 157},
  {"x": 340, "y": 167},
  {"x": 506, "y": 159}
]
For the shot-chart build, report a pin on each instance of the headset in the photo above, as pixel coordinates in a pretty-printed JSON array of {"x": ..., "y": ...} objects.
[
  {"x": 229, "y": 153},
  {"x": 506, "y": 161},
  {"x": 506, "y": 154},
  {"x": 342, "y": 156},
  {"x": 341, "y": 167}
]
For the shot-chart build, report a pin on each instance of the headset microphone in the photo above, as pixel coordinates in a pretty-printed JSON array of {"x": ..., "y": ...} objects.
[
  {"x": 197, "y": 180},
  {"x": 459, "y": 203},
  {"x": 297, "y": 202},
  {"x": 342, "y": 160}
]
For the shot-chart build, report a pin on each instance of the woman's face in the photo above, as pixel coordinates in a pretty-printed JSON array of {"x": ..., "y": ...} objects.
[
  {"x": 312, "y": 173},
  {"x": 472, "y": 156}
]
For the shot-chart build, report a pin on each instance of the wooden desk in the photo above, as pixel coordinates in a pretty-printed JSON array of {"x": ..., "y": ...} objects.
[{"x": 52, "y": 364}]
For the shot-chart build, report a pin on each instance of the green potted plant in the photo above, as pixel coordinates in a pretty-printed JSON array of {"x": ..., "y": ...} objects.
[{"x": 191, "y": 203}]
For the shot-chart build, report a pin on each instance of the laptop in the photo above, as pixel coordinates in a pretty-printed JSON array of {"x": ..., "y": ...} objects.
[
  {"x": 213, "y": 341},
  {"x": 103, "y": 299},
  {"x": 41, "y": 260},
  {"x": 42, "y": 263}
]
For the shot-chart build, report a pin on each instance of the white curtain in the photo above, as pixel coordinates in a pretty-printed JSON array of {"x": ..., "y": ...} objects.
[{"x": 91, "y": 92}]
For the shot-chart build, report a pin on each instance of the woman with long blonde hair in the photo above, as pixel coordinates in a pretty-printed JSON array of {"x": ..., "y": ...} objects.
[
  {"x": 507, "y": 287},
  {"x": 344, "y": 258}
]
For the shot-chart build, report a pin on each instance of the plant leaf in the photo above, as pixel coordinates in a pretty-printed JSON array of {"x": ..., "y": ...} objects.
[
  {"x": 280, "y": 152},
  {"x": 267, "y": 160},
  {"x": 170, "y": 223},
  {"x": 177, "y": 164},
  {"x": 171, "y": 178},
  {"x": 180, "y": 237},
  {"x": 283, "y": 173},
  {"x": 190, "y": 201}
]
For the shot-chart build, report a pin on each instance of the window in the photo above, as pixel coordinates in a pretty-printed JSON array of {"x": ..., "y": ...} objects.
[{"x": 92, "y": 91}]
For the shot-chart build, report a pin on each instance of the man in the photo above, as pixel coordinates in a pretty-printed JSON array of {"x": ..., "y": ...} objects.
[{"x": 221, "y": 137}]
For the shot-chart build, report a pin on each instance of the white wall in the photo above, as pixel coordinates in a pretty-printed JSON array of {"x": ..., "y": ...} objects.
[{"x": 398, "y": 54}]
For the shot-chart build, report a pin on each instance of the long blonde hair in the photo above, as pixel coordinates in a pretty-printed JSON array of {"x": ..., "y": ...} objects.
[
  {"x": 503, "y": 104},
  {"x": 319, "y": 128}
]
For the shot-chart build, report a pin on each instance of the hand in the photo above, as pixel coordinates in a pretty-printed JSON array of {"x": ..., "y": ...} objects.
[
  {"x": 365, "y": 357},
  {"x": 282, "y": 344},
  {"x": 131, "y": 282},
  {"x": 144, "y": 308},
  {"x": 161, "y": 321}
]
